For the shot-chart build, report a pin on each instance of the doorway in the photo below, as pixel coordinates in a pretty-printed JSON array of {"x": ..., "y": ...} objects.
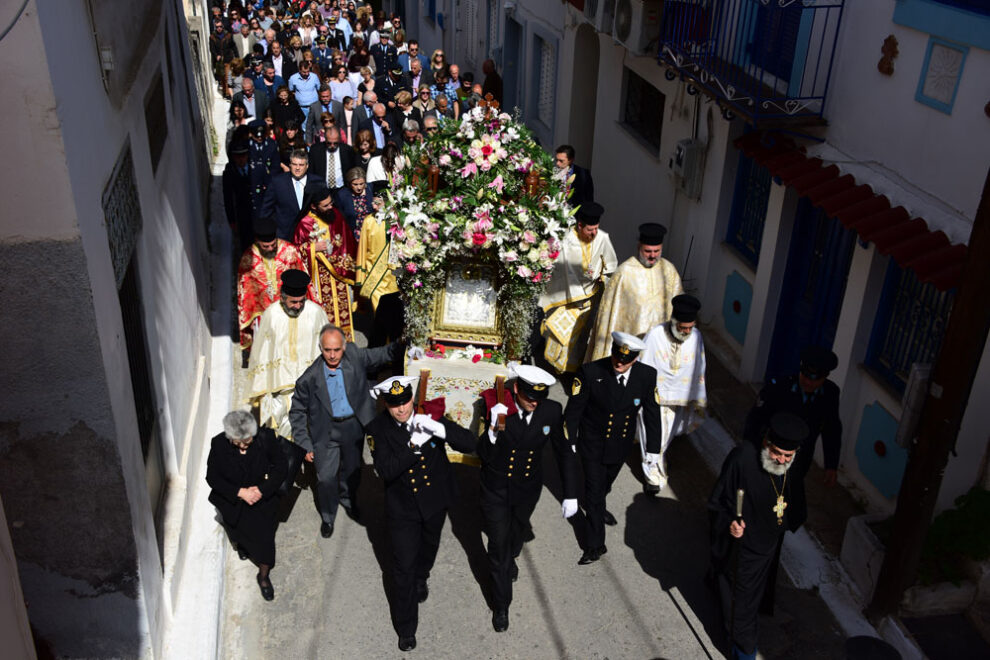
[
  {"x": 814, "y": 284},
  {"x": 512, "y": 60},
  {"x": 584, "y": 95}
]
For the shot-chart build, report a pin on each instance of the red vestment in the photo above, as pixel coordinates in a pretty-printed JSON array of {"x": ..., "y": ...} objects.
[
  {"x": 332, "y": 269},
  {"x": 259, "y": 281}
]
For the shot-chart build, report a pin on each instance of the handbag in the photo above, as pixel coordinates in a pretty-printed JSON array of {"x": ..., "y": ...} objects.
[{"x": 294, "y": 456}]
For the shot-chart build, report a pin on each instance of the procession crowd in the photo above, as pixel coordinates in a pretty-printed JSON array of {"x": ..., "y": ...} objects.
[{"x": 324, "y": 98}]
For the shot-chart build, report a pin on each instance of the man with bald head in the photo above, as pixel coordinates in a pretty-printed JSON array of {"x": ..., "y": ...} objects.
[{"x": 383, "y": 126}]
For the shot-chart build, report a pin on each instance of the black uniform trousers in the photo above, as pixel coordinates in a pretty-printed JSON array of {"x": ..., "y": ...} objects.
[
  {"x": 338, "y": 468},
  {"x": 506, "y": 526},
  {"x": 414, "y": 549},
  {"x": 598, "y": 480}
]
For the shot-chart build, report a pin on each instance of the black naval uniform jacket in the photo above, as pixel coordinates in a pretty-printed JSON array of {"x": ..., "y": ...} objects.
[
  {"x": 417, "y": 486},
  {"x": 513, "y": 466},
  {"x": 601, "y": 414},
  {"x": 819, "y": 410}
]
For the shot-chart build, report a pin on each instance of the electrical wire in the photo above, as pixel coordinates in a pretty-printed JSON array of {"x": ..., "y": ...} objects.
[{"x": 13, "y": 22}]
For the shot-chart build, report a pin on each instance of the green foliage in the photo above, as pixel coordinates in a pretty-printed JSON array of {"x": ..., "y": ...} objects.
[{"x": 955, "y": 535}]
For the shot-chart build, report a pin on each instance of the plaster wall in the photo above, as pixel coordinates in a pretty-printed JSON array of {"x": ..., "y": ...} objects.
[
  {"x": 14, "y": 627},
  {"x": 876, "y": 119},
  {"x": 73, "y": 472}
]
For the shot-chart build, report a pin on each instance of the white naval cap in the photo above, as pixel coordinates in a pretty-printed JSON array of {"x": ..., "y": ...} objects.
[
  {"x": 395, "y": 390},
  {"x": 535, "y": 382},
  {"x": 626, "y": 347}
]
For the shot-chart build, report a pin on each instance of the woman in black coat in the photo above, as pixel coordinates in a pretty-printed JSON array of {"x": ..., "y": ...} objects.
[{"x": 245, "y": 468}]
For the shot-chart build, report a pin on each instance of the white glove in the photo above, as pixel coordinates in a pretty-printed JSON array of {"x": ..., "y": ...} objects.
[
  {"x": 419, "y": 438},
  {"x": 415, "y": 353},
  {"x": 652, "y": 459},
  {"x": 497, "y": 409},
  {"x": 569, "y": 508},
  {"x": 429, "y": 425}
]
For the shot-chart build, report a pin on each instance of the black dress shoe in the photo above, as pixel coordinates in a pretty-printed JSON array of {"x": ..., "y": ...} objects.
[
  {"x": 514, "y": 571},
  {"x": 407, "y": 643},
  {"x": 591, "y": 556},
  {"x": 267, "y": 591},
  {"x": 609, "y": 519},
  {"x": 326, "y": 530},
  {"x": 422, "y": 591},
  {"x": 500, "y": 620}
]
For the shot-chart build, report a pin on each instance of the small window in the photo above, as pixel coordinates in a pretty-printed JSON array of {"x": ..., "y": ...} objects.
[
  {"x": 909, "y": 326},
  {"x": 749, "y": 209},
  {"x": 546, "y": 82},
  {"x": 940, "y": 74},
  {"x": 642, "y": 111},
  {"x": 156, "y": 120}
]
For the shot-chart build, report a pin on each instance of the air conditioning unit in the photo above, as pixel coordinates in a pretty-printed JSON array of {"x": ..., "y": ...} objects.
[
  {"x": 600, "y": 13},
  {"x": 637, "y": 25},
  {"x": 688, "y": 166}
]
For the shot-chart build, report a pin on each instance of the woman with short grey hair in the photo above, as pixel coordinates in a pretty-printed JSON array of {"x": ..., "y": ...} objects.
[{"x": 245, "y": 468}]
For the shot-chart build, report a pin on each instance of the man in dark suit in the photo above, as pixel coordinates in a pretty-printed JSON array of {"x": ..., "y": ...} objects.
[
  {"x": 382, "y": 126},
  {"x": 410, "y": 456},
  {"x": 284, "y": 196},
  {"x": 283, "y": 63},
  {"x": 330, "y": 160},
  {"x": 326, "y": 103},
  {"x": 512, "y": 476},
  {"x": 237, "y": 194},
  {"x": 606, "y": 396},
  {"x": 256, "y": 104},
  {"x": 582, "y": 187},
  {"x": 331, "y": 407}
]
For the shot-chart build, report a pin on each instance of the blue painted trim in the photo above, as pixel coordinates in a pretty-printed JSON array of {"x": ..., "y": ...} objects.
[
  {"x": 801, "y": 53},
  {"x": 919, "y": 95},
  {"x": 964, "y": 27}
]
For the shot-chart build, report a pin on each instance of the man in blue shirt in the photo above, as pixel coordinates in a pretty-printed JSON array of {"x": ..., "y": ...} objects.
[
  {"x": 330, "y": 408},
  {"x": 305, "y": 85}
]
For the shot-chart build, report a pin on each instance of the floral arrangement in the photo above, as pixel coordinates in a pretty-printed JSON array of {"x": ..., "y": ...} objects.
[{"x": 481, "y": 190}]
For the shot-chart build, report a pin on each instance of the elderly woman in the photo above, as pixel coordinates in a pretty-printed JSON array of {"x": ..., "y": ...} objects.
[
  {"x": 245, "y": 469},
  {"x": 355, "y": 200}
]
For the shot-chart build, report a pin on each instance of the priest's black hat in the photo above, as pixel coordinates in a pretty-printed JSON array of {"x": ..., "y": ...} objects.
[
  {"x": 264, "y": 228},
  {"x": 316, "y": 191},
  {"x": 590, "y": 213},
  {"x": 294, "y": 282},
  {"x": 787, "y": 431},
  {"x": 652, "y": 233},
  {"x": 685, "y": 308},
  {"x": 817, "y": 362},
  {"x": 239, "y": 147}
]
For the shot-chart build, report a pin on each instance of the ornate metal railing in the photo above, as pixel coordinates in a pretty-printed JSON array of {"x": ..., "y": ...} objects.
[{"x": 768, "y": 61}]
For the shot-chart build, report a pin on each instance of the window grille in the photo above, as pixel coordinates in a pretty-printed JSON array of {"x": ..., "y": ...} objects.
[
  {"x": 749, "y": 209},
  {"x": 909, "y": 326},
  {"x": 546, "y": 90}
]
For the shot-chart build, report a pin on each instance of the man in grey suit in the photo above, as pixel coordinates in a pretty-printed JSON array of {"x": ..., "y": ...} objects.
[{"x": 330, "y": 408}]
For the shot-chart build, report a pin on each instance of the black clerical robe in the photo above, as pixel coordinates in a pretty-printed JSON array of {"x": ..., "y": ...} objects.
[{"x": 745, "y": 568}]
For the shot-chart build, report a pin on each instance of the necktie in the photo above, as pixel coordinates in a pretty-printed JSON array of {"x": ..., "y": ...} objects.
[
  {"x": 331, "y": 170},
  {"x": 524, "y": 416},
  {"x": 405, "y": 427},
  {"x": 622, "y": 380},
  {"x": 299, "y": 191}
]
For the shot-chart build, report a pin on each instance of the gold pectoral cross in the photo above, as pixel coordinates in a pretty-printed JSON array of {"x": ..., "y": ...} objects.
[{"x": 779, "y": 509}]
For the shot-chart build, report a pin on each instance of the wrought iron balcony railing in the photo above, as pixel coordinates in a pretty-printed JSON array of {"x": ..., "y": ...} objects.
[{"x": 767, "y": 61}]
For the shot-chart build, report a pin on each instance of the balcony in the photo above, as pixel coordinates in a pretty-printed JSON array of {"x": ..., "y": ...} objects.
[{"x": 766, "y": 61}]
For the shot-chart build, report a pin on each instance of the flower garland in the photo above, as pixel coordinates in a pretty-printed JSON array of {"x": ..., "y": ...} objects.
[{"x": 479, "y": 189}]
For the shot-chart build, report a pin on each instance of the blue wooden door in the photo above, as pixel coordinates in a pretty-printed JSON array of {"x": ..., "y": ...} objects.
[{"x": 814, "y": 284}]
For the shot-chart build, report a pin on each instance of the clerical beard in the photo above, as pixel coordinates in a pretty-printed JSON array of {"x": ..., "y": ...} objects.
[
  {"x": 772, "y": 466},
  {"x": 291, "y": 313},
  {"x": 677, "y": 335},
  {"x": 268, "y": 254},
  {"x": 646, "y": 264}
]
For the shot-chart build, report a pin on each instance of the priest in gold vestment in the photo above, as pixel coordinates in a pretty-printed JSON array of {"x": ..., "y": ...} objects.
[
  {"x": 377, "y": 284},
  {"x": 287, "y": 341},
  {"x": 637, "y": 298},
  {"x": 585, "y": 262}
]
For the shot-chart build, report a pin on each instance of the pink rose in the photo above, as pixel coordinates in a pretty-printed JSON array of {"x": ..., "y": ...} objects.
[
  {"x": 476, "y": 358},
  {"x": 479, "y": 239},
  {"x": 411, "y": 267},
  {"x": 538, "y": 277}
]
